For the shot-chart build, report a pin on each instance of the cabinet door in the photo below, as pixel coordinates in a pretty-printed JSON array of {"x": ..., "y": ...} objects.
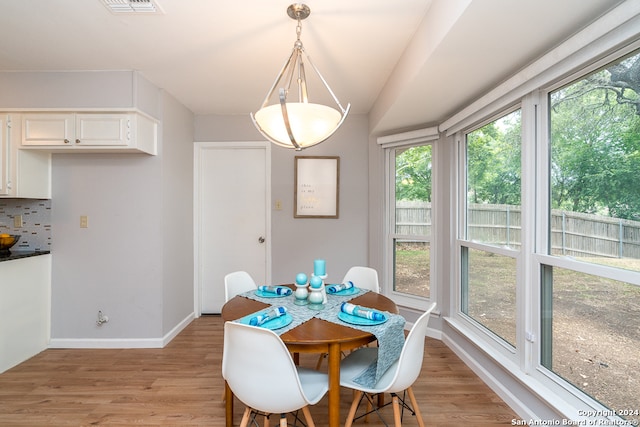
[
  {"x": 4, "y": 155},
  {"x": 103, "y": 129},
  {"x": 48, "y": 129}
]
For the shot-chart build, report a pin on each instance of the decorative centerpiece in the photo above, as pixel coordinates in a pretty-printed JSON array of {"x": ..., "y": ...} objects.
[
  {"x": 302, "y": 293},
  {"x": 316, "y": 298}
]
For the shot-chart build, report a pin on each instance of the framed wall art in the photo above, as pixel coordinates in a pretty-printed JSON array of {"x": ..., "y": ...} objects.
[{"x": 316, "y": 186}]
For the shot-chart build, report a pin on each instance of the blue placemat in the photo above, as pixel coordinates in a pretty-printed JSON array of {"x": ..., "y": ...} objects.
[{"x": 299, "y": 313}]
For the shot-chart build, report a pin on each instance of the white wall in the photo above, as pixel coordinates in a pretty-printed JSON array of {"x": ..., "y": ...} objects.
[
  {"x": 296, "y": 242},
  {"x": 135, "y": 260},
  {"x": 114, "y": 265},
  {"x": 69, "y": 89},
  {"x": 177, "y": 213}
]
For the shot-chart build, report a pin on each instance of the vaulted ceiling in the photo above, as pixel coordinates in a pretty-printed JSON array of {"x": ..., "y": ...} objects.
[{"x": 408, "y": 63}]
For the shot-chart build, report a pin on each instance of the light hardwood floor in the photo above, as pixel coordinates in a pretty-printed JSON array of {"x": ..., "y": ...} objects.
[{"x": 181, "y": 385}]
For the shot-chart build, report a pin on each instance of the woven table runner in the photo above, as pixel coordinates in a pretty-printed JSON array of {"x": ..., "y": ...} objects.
[{"x": 390, "y": 334}]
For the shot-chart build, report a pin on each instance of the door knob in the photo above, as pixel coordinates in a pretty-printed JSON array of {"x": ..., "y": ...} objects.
[{"x": 261, "y": 239}]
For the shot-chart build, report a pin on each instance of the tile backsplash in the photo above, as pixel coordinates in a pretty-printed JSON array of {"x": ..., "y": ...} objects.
[{"x": 35, "y": 233}]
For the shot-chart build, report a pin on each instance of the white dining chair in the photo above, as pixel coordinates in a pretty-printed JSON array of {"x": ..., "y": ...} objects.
[
  {"x": 398, "y": 378},
  {"x": 261, "y": 373},
  {"x": 363, "y": 278},
  {"x": 236, "y": 283}
]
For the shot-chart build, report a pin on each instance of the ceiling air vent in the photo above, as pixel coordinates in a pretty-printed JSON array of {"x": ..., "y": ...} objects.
[{"x": 132, "y": 6}]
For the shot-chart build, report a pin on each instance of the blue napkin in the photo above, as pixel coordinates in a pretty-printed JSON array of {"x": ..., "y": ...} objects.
[
  {"x": 262, "y": 318},
  {"x": 276, "y": 290},
  {"x": 332, "y": 289},
  {"x": 367, "y": 313}
]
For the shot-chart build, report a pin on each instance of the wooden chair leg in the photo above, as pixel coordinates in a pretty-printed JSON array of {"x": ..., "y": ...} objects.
[
  {"x": 369, "y": 409},
  {"x": 416, "y": 408},
  {"x": 396, "y": 411},
  {"x": 307, "y": 417},
  {"x": 352, "y": 410},
  {"x": 245, "y": 417},
  {"x": 320, "y": 359},
  {"x": 283, "y": 420},
  {"x": 266, "y": 420}
]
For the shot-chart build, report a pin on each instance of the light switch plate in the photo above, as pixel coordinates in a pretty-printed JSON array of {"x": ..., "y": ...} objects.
[
  {"x": 84, "y": 221},
  {"x": 17, "y": 221}
]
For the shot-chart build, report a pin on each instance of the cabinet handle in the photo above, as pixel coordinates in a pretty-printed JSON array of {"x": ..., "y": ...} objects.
[
  {"x": 66, "y": 141},
  {"x": 77, "y": 141}
]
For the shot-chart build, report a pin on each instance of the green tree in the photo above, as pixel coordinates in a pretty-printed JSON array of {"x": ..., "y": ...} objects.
[
  {"x": 493, "y": 162},
  {"x": 413, "y": 173},
  {"x": 595, "y": 142}
]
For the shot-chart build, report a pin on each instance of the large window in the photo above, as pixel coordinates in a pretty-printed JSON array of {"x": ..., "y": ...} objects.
[
  {"x": 410, "y": 233},
  {"x": 591, "y": 332},
  {"x": 547, "y": 228},
  {"x": 490, "y": 235}
]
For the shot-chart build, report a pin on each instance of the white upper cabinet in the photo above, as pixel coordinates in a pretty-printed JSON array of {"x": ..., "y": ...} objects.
[
  {"x": 89, "y": 132},
  {"x": 4, "y": 156},
  {"x": 103, "y": 129},
  {"x": 22, "y": 173},
  {"x": 48, "y": 129}
]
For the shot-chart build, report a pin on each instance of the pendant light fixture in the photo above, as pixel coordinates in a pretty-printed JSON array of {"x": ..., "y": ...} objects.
[{"x": 297, "y": 123}]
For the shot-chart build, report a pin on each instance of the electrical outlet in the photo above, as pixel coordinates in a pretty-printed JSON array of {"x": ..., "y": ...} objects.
[
  {"x": 278, "y": 205},
  {"x": 84, "y": 221},
  {"x": 17, "y": 221}
]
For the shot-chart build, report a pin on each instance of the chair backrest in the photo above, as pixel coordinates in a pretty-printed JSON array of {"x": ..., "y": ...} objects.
[
  {"x": 363, "y": 277},
  {"x": 259, "y": 369},
  {"x": 236, "y": 283},
  {"x": 410, "y": 362}
]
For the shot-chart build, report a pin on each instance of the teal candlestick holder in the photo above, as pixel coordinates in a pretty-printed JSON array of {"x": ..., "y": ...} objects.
[
  {"x": 316, "y": 296},
  {"x": 301, "y": 293}
]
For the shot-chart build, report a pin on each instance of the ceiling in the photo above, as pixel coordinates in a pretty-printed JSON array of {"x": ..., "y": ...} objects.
[{"x": 221, "y": 56}]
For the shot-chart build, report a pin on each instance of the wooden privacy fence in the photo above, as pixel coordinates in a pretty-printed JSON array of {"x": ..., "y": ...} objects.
[
  {"x": 413, "y": 218},
  {"x": 572, "y": 233}
]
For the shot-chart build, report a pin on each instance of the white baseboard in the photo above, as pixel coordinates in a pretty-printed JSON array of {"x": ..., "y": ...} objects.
[
  {"x": 122, "y": 342},
  {"x": 177, "y": 329}
]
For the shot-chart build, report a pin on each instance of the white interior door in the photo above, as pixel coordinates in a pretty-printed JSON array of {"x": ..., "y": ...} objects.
[{"x": 232, "y": 182}]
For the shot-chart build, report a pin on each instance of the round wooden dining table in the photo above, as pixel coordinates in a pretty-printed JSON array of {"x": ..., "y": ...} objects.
[{"x": 313, "y": 336}]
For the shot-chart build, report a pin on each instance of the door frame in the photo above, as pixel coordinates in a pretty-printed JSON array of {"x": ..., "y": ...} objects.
[{"x": 199, "y": 147}]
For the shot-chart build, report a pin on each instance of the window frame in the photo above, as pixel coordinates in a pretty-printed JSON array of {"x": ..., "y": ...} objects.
[
  {"x": 498, "y": 345},
  {"x": 540, "y": 257},
  {"x": 390, "y": 144}
]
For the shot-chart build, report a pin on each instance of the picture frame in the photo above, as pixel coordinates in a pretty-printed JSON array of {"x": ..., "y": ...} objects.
[{"x": 316, "y": 191}]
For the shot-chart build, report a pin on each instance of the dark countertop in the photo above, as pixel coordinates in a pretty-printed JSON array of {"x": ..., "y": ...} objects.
[{"x": 21, "y": 254}]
